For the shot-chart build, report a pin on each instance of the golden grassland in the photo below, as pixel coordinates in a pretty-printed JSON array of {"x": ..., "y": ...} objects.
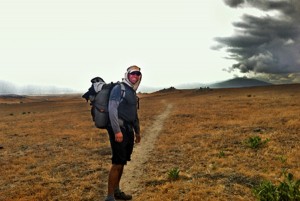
[{"x": 50, "y": 150}]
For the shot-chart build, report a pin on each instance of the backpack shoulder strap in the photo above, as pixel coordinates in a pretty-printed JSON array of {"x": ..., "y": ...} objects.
[
  {"x": 122, "y": 90},
  {"x": 122, "y": 86}
]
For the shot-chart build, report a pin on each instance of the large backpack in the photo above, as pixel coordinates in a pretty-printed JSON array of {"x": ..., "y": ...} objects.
[{"x": 98, "y": 95}]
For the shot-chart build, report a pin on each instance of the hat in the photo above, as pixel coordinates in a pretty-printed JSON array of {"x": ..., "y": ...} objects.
[{"x": 133, "y": 68}]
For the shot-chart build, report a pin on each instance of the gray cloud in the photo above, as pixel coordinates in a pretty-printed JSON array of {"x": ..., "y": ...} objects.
[{"x": 268, "y": 45}]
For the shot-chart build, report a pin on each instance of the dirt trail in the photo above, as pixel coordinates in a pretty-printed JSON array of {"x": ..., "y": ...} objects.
[{"x": 135, "y": 170}]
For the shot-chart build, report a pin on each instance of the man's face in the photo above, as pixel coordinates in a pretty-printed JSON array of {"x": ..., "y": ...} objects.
[{"x": 134, "y": 76}]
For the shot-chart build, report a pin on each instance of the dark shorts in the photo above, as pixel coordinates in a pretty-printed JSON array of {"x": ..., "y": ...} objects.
[{"x": 121, "y": 151}]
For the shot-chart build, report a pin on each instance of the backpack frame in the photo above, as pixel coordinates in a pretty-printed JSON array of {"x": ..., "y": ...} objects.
[
  {"x": 98, "y": 95},
  {"x": 99, "y": 105}
]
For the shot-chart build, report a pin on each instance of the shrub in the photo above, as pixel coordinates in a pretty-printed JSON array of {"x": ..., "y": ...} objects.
[
  {"x": 287, "y": 190},
  {"x": 173, "y": 174},
  {"x": 221, "y": 154},
  {"x": 255, "y": 142}
]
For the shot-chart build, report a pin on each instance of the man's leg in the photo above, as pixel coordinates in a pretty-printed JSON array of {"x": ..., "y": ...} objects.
[
  {"x": 120, "y": 176},
  {"x": 114, "y": 177},
  {"x": 118, "y": 194},
  {"x": 117, "y": 189}
]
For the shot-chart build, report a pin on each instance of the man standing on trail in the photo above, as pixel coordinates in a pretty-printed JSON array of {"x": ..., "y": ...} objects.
[{"x": 124, "y": 127}]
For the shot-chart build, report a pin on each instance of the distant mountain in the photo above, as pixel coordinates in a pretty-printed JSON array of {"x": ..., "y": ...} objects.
[
  {"x": 10, "y": 88},
  {"x": 232, "y": 83},
  {"x": 147, "y": 89},
  {"x": 239, "y": 82}
]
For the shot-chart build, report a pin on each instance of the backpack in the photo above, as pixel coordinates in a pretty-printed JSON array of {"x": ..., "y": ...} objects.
[{"x": 98, "y": 95}]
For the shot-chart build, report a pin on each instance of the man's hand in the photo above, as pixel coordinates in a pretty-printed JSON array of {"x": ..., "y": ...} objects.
[
  {"x": 119, "y": 137},
  {"x": 137, "y": 138}
]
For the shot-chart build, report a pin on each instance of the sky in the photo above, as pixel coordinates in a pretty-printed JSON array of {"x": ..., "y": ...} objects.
[{"x": 65, "y": 43}]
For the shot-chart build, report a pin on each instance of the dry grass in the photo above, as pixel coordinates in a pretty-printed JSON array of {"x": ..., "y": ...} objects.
[{"x": 51, "y": 150}]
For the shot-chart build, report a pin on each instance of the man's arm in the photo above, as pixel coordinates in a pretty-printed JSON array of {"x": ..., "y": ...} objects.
[
  {"x": 113, "y": 104},
  {"x": 113, "y": 115},
  {"x": 136, "y": 127}
]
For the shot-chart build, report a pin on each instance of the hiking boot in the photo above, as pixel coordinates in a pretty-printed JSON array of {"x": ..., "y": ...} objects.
[
  {"x": 109, "y": 199},
  {"x": 122, "y": 196}
]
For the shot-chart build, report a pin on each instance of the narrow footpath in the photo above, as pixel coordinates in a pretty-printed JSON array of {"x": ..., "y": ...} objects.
[{"x": 135, "y": 170}]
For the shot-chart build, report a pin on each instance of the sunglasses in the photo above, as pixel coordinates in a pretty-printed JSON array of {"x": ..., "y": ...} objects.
[{"x": 138, "y": 73}]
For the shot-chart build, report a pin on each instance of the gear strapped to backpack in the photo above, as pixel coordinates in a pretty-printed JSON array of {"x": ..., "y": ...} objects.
[{"x": 98, "y": 95}]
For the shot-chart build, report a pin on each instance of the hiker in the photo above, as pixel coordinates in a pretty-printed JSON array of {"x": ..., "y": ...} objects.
[{"x": 124, "y": 129}]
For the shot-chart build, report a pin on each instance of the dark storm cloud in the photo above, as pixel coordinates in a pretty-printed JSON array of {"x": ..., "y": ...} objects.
[
  {"x": 286, "y": 7},
  {"x": 269, "y": 44},
  {"x": 234, "y": 3}
]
